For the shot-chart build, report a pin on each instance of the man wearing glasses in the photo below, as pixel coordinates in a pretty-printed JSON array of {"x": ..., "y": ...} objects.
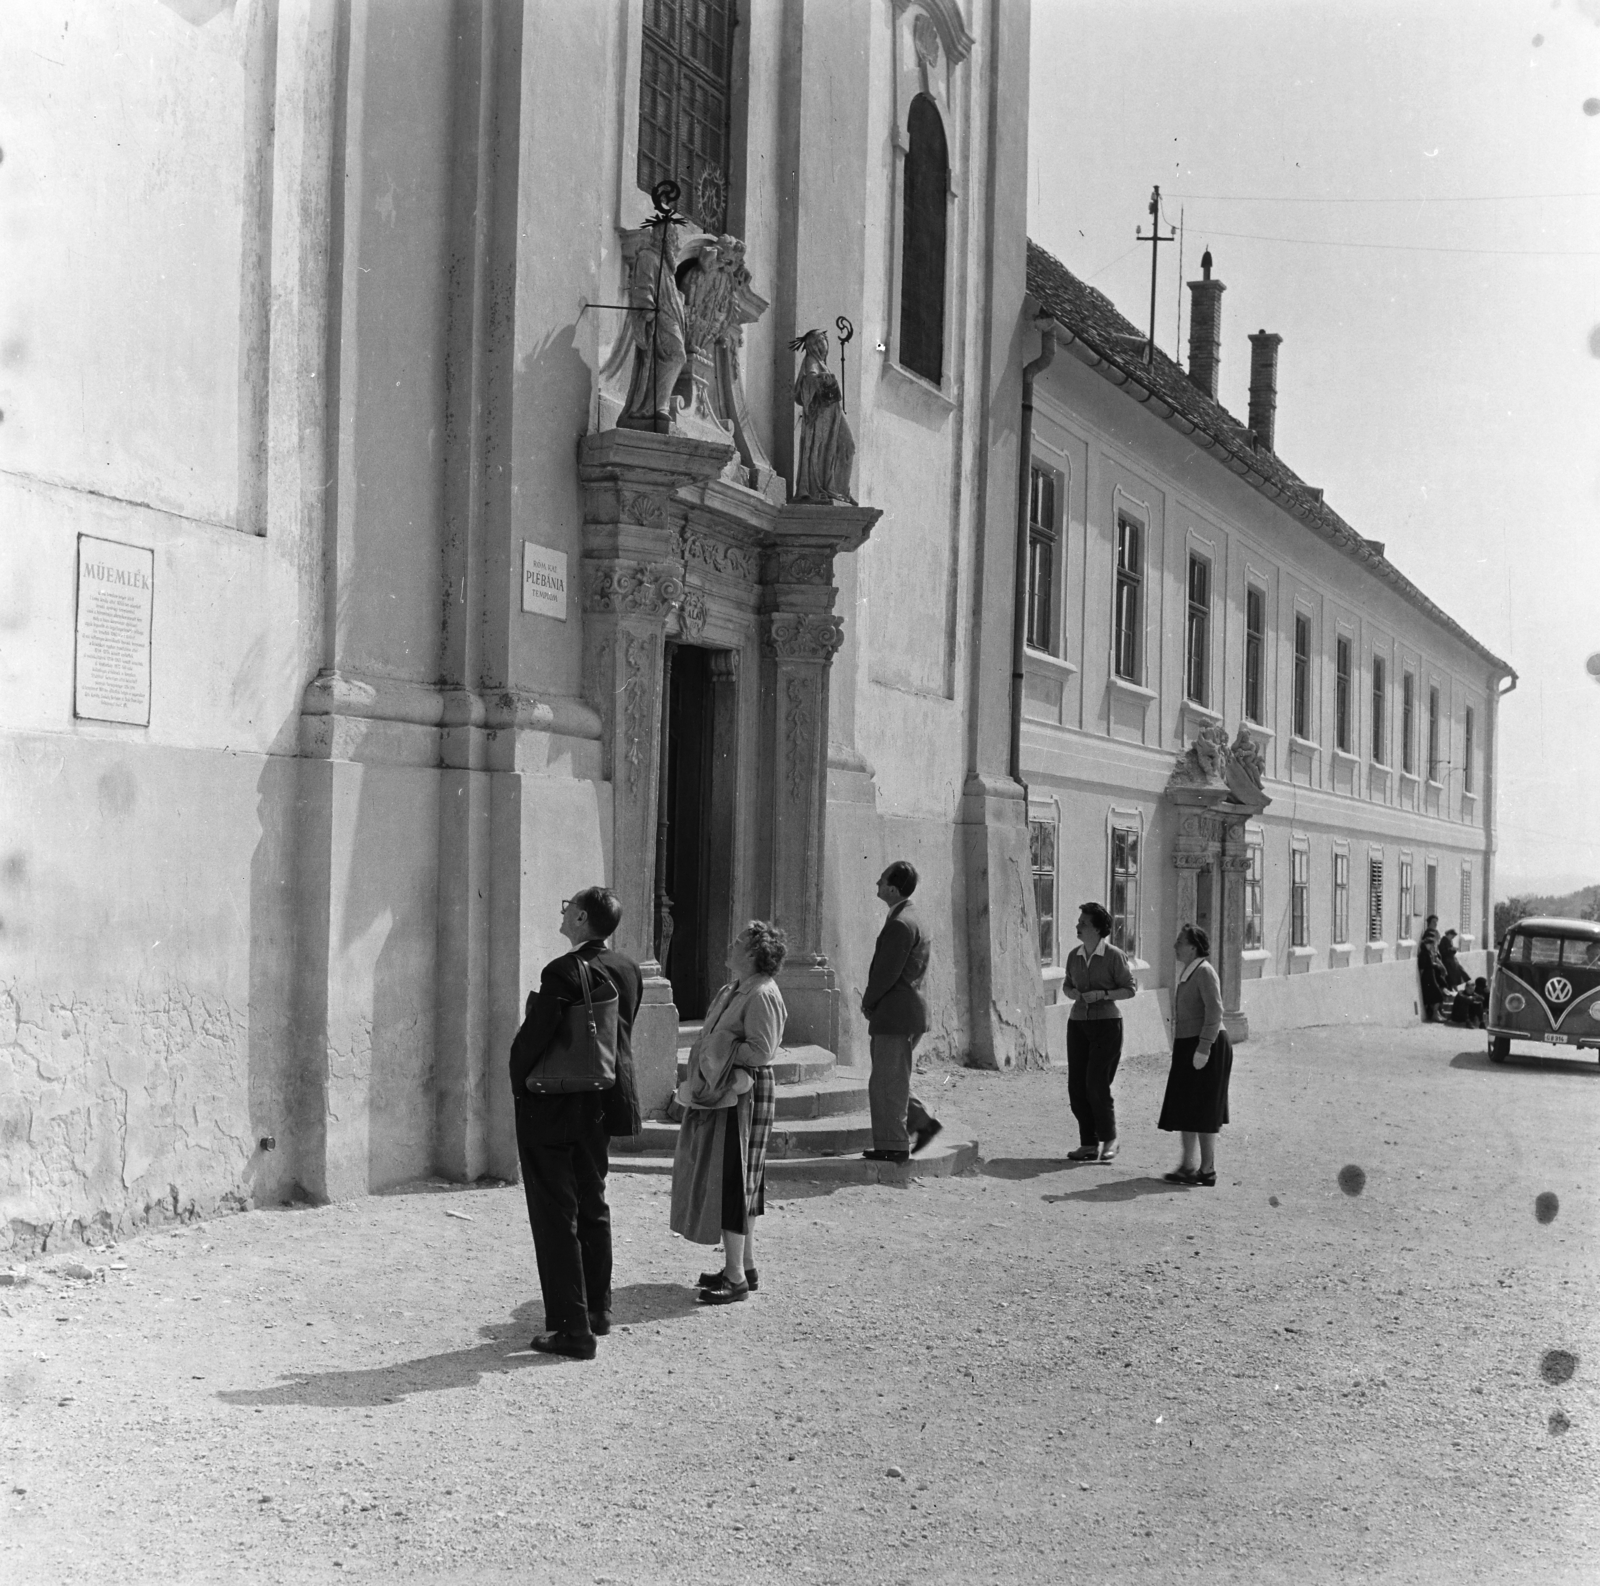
[{"x": 563, "y": 1140}]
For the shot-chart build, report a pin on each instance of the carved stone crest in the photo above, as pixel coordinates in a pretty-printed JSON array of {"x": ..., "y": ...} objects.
[{"x": 718, "y": 556}]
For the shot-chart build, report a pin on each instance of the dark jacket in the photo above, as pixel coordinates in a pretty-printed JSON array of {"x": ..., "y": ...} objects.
[
  {"x": 555, "y": 1120},
  {"x": 893, "y": 1001}
]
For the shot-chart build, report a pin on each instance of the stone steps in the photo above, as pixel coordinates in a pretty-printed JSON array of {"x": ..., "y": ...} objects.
[{"x": 821, "y": 1126}]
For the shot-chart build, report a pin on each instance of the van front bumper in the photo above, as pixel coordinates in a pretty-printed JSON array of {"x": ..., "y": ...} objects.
[{"x": 1548, "y": 1038}]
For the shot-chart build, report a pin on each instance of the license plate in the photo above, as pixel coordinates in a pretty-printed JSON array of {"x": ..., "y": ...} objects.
[{"x": 1554, "y": 1040}]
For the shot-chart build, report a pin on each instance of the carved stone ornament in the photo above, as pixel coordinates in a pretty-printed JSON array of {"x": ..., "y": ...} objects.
[
  {"x": 645, "y": 508},
  {"x": 925, "y": 38},
  {"x": 632, "y": 591},
  {"x": 805, "y": 567},
  {"x": 1201, "y": 764},
  {"x": 1246, "y": 755},
  {"x": 802, "y": 636},
  {"x": 636, "y": 656},
  {"x": 1212, "y": 771},
  {"x": 717, "y": 556},
  {"x": 798, "y": 717}
]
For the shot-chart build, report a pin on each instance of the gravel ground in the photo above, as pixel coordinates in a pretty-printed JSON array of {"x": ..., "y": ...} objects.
[{"x": 1039, "y": 1372}]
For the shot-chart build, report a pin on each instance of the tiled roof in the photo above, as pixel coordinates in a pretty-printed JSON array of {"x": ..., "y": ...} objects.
[{"x": 1115, "y": 349}]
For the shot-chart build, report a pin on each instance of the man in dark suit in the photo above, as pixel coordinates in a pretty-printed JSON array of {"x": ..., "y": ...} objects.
[
  {"x": 897, "y": 1018},
  {"x": 562, "y": 1140}
]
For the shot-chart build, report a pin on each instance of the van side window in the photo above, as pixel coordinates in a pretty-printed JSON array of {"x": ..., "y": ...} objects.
[{"x": 1544, "y": 950}]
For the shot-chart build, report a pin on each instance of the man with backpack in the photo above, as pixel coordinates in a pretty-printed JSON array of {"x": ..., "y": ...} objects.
[{"x": 563, "y": 1136}]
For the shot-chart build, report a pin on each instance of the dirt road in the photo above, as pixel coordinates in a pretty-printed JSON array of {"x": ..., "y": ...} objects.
[{"x": 1039, "y": 1373}]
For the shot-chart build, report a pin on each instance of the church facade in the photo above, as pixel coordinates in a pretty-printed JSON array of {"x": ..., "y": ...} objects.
[{"x": 366, "y": 594}]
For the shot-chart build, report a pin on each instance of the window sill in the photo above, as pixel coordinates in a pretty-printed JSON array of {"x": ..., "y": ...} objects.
[
  {"x": 1253, "y": 955},
  {"x": 1408, "y": 779},
  {"x": 1204, "y": 714},
  {"x": 1300, "y": 959},
  {"x": 1377, "y": 952},
  {"x": 1304, "y": 745},
  {"x": 919, "y": 385},
  {"x": 1043, "y": 661},
  {"x": 1256, "y": 730},
  {"x": 1379, "y": 768},
  {"x": 1121, "y": 685},
  {"x": 1435, "y": 787},
  {"x": 1344, "y": 757},
  {"x": 1339, "y": 955},
  {"x": 1464, "y": 942},
  {"x": 1469, "y": 806},
  {"x": 1054, "y": 977},
  {"x": 1136, "y": 964}
]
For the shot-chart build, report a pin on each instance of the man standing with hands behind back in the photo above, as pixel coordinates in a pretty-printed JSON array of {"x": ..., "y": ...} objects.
[{"x": 897, "y": 1018}]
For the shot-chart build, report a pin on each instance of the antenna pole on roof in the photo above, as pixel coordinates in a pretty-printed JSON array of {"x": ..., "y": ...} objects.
[{"x": 1155, "y": 239}]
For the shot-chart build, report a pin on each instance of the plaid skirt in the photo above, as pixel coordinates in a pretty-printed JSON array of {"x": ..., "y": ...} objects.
[{"x": 763, "y": 1109}]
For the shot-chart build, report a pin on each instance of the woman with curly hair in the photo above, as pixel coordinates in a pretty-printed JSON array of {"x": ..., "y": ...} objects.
[
  {"x": 719, "y": 1167},
  {"x": 1196, "y": 1103}
]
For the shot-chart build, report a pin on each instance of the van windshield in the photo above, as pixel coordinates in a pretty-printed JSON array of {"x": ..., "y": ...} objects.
[{"x": 1547, "y": 951}]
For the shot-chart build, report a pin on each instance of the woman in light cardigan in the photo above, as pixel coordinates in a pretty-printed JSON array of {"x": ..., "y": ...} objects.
[
  {"x": 719, "y": 1167},
  {"x": 1196, "y": 1103}
]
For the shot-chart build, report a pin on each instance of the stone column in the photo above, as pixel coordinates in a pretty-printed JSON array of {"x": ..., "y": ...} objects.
[
  {"x": 1228, "y": 949},
  {"x": 798, "y": 647}
]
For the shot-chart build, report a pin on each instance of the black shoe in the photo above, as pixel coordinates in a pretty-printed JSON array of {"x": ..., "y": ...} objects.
[
  {"x": 576, "y": 1346},
  {"x": 1182, "y": 1175},
  {"x": 715, "y": 1280},
  {"x": 925, "y": 1134},
  {"x": 1084, "y": 1153},
  {"x": 885, "y": 1156},
  {"x": 599, "y": 1323},
  {"x": 1206, "y": 1178},
  {"x": 727, "y": 1294}
]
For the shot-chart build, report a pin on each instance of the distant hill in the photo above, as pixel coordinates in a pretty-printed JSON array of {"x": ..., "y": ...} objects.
[{"x": 1584, "y": 904}]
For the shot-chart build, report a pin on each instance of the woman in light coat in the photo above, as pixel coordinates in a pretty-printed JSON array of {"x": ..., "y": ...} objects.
[
  {"x": 1196, "y": 1103},
  {"x": 719, "y": 1167}
]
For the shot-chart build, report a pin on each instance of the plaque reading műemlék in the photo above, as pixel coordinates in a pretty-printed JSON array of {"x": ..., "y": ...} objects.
[{"x": 116, "y": 586}]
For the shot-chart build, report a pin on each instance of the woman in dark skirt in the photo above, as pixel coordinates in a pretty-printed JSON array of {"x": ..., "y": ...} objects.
[{"x": 1196, "y": 1103}]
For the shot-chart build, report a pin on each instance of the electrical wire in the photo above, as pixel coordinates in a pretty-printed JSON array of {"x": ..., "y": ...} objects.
[
  {"x": 1407, "y": 247},
  {"x": 1470, "y": 198}
]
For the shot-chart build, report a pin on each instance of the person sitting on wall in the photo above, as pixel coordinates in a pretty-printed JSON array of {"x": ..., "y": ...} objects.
[
  {"x": 563, "y": 1140},
  {"x": 897, "y": 1018},
  {"x": 1098, "y": 978},
  {"x": 1430, "y": 972}
]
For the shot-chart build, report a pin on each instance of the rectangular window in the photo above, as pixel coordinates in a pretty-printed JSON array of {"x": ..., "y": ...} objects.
[
  {"x": 1197, "y": 635},
  {"x": 1042, "y": 560},
  {"x": 1408, "y": 900},
  {"x": 1374, "y": 900},
  {"x": 1431, "y": 887},
  {"x": 1255, "y": 643},
  {"x": 1302, "y": 675},
  {"x": 1130, "y": 579},
  {"x": 1341, "y": 698},
  {"x": 685, "y": 91},
  {"x": 1254, "y": 894},
  {"x": 1125, "y": 889},
  {"x": 1408, "y": 724},
  {"x": 1433, "y": 735},
  {"x": 1341, "y": 897},
  {"x": 1466, "y": 755},
  {"x": 1042, "y": 845},
  {"x": 1299, "y": 897},
  {"x": 1465, "y": 927},
  {"x": 1379, "y": 690}
]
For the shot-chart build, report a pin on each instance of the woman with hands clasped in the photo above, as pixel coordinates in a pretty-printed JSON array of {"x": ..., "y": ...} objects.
[
  {"x": 1196, "y": 1103},
  {"x": 719, "y": 1169}
]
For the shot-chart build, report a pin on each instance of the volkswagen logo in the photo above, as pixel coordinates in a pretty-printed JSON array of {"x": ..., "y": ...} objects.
[{"x": 1558, "y": 988}]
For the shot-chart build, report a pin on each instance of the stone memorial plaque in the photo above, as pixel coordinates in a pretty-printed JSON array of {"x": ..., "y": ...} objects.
[
  {"x": 116, "y": 588},
  {"x": 544, "y": 580}
]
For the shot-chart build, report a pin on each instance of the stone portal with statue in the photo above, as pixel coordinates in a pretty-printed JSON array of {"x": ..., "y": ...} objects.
[
  {"x": 1216, "y": 788},
  {"x": 709, "y": 631}
]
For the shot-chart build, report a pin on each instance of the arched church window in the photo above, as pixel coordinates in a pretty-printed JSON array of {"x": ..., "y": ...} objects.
[
  {"x": 922, "y": 261},
  {"x": 685, "y": 95}
]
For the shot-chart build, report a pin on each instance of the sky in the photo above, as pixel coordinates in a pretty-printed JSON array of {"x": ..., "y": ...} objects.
[{"x": 1441, "y": 381}]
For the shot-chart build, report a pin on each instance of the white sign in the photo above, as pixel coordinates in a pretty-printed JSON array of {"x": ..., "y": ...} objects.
[
  {"x": 116, "y": 589},
  {"x": 544, "y": 580}
]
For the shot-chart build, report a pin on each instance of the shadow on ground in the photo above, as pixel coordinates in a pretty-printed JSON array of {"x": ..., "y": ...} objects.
[
  {"x": 1528, "y": 1062},
  {"x": 505, "y": 1348},
  {"x": 1021, "y": 1167},
  {"x": 1126, "y": 1189}
]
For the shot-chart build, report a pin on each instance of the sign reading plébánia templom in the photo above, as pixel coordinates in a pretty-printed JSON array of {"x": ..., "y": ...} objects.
[
  {"x": 116, "y": 592},
  {"x": 544, "y": 580}
]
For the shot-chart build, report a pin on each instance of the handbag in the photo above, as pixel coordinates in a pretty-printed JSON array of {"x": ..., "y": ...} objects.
[{"x": 582, "y": 1055}]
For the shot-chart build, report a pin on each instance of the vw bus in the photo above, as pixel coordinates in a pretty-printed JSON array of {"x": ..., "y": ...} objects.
[{"x": 1546, "y": 986}]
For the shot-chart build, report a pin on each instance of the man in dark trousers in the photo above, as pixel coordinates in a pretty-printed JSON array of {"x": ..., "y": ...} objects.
[
  {"x": 563, "y": 1140},
  {"x": 897, "y": 1018}
]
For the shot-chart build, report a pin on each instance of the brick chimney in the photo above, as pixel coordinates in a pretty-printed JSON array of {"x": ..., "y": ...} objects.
[
  {"x": 1205, "y": 328},
  {"x": 1264, "y": 386}
]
